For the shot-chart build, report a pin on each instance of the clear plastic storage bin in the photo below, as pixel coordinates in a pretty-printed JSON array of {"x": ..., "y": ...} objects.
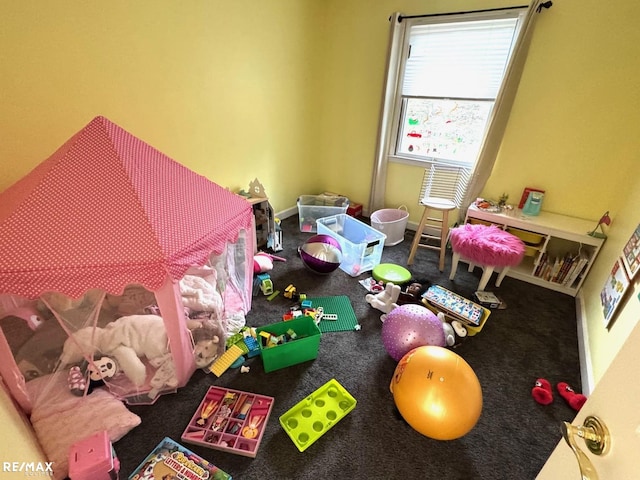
[
  {"x": 361, "y": 245},
  {"x": 314, "y": 207}
]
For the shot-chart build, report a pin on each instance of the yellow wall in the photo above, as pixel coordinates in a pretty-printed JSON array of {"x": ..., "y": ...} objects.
[
  {"x": 289, "y": 91},
  {"x": 572, "y": 130},
  {"x": 17, "y": 443},
  {"x": 226, "y": 88}
]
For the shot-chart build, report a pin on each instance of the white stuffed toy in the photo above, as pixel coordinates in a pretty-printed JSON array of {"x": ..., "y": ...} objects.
[
  {"x": 200, "y": 295},
  {"x": 126, "y": 340},
  {"x": 384, "y": 301}
]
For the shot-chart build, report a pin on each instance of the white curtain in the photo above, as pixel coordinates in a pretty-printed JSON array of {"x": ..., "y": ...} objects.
[
  {"x": 379, "y": 180},
  {"x": 502, "y": 108}
]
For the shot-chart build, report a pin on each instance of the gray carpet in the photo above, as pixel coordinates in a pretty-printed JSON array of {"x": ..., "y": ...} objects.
[{"x": 534, "y": 337}]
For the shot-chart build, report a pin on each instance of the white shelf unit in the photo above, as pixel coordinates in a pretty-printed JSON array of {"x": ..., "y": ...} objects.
[{"x": 561, "y": 235}]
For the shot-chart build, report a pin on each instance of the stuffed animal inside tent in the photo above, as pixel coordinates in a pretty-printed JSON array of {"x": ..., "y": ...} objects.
[
  {"x": 93, "y": 373},
  {"x": 125, "y": 340}
]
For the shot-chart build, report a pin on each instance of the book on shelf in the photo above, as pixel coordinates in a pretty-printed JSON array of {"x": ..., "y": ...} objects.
[
  {"x": 565, "y": 280},
  {"x": 567, "y": 261},
  {"x": 581, "y": 262},
  {"x": 541, "y": 263},
  {"x": 555, "y": 270}
]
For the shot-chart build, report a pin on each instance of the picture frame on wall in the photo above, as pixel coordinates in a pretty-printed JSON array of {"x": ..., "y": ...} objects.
[
  {"x": 631, "y": 254},
  {"x": 613, "y": 291}
]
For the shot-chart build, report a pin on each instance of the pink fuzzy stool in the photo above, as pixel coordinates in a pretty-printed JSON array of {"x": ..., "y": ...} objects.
[{"x": 487, "y": 246}]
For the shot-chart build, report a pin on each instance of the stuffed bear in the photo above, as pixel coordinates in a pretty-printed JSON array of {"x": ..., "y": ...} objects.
[
  {"x": 125, "y": 340},
  {"x": 209, "y": 343}
]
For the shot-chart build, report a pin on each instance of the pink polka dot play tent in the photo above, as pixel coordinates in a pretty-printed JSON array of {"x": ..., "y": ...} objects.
[{"x": 105, "y": 227}]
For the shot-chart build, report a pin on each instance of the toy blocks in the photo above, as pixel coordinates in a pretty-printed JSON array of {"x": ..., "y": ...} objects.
[{"x": 282, "y": 354}]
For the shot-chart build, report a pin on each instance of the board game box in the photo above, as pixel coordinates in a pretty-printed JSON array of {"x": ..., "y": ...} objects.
[
  {"x": 488, "y": 299},
  {"x": 455, "y": 305},
  {"x": 171, "y": 460}
]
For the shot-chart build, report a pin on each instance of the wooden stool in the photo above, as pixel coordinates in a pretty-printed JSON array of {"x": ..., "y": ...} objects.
[
  {"x": 441, "y": 224},
  {"x": 489, "y": 247}
]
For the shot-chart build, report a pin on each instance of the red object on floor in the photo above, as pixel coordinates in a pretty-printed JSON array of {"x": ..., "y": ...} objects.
[
  {"x": 542, "y": 392},
  {"x": 354, "y": 210},
  {"x": 575, "y": 400}
]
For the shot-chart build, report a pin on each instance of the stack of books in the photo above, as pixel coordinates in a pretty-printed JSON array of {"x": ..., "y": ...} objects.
[{"x": 563, "y": 270}]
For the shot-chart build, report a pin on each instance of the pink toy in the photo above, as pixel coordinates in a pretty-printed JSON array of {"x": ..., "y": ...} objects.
[
  {"x": 262, "y": 262},
  {"x": 410, "y": 326},
  {"x": 93, "y": 459}
]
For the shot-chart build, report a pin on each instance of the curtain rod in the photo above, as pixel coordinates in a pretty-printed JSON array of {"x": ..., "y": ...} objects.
[{"x": 542, "y": 5}]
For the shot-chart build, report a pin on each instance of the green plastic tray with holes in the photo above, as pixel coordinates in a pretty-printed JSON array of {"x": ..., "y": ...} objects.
[{"x": 313, "y": 416}]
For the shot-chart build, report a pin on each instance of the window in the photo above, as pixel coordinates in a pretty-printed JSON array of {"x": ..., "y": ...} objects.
[
  {"x": 451, "y": 76},
  {"x": 444, "y": 75}
]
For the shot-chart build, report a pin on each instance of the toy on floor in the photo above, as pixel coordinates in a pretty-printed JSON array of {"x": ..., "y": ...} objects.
[
  {"x": 437, "y": 392},
  {"x": 384, "y": 301},
  {"x": 263, "y": 262},
  {"x": 575, "y": 400},
  {"x": 93, "y": 458},
  {"x": 390, "y": 272},
  {"x": 314, "y": 415},
  {"x": 412, "y": 294},
  {"x": 321, "y": 254},
  {"x": 223, "y": 363},
  {"x": 455, "y": 305},
  {"x": 541, "y": 392},
  {"x": 209, "y": 343},
  {"x": 449, "y": 333},
  {"x": 409, "y": 326}
]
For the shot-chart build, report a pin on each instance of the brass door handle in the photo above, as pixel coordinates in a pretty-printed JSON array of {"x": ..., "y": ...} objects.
[{"x": 595, "y": 435}]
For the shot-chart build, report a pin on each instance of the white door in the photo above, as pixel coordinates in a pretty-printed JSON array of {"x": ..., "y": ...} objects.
[{"x": 616, "y": 401}]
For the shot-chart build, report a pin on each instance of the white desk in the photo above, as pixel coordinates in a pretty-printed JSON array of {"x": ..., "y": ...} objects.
[{"x": 561, "y": 236}]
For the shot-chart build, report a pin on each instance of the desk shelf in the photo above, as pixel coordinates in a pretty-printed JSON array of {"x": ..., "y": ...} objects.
[{"x": 563, "y": 240}]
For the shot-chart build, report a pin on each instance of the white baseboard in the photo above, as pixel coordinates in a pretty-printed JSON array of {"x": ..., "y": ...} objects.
[
  {"x": 584, "y": 352},
  {"x": 289, "y": 212}
]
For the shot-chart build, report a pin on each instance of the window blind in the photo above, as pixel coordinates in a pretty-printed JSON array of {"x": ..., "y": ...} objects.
[
  {"x": 461, "y": 59},
  {"x": 445, "y": 182}
]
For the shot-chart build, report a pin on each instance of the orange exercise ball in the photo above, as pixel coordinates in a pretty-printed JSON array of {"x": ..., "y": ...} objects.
[{"x": 437, "y": 392}]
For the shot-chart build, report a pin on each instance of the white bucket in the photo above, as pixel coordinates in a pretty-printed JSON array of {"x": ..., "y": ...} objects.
[{"x": 392, "y": 222}]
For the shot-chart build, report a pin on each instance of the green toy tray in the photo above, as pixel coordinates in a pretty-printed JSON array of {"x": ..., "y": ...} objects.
[
  {"x": 312, "y": 417},
  {"x": 341, "y": 306}
]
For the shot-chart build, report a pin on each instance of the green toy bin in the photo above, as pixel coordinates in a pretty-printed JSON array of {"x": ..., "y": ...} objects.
[{"x": 305, "y": 347}]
